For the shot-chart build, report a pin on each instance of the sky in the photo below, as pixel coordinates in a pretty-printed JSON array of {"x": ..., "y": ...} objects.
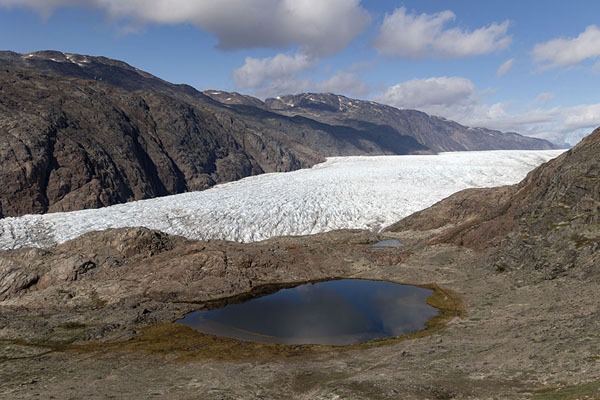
[{"x": 531, "y": 67}]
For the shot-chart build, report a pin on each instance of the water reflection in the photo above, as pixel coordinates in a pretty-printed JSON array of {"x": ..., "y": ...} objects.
[
  {"x": 386, "y": 243},
  {"x": 334, "y": 312}
]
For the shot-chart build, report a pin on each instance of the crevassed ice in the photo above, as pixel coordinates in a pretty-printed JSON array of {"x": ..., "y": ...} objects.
[{"x": 343, "y": 192}]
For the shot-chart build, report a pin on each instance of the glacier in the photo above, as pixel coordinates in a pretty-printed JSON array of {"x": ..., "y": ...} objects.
[{"x": 343, "y": 192}]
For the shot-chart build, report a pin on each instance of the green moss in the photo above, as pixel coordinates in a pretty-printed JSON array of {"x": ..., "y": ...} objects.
[
  {"x": 73, "y": 325},
  {"x": 583, "y": 241},
  {"x": 590, "y": 390}
]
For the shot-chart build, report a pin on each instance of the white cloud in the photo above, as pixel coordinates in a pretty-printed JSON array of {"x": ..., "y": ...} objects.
[
  {"x": 568, "y": 51},
  {"x": 281, "y": 74},
  {"x": 457, "y": 99},
  {"x": 418, "y": 36},
  {"x": 317, "y": 27},
  {"x": 559, "y": 124},
  {"x": 544, "y": 98},
  {"x": 505, "y": 67},
  {"x": 256, "y": 72},
  {"x": 344, "y": 83},
  {"x": 429, "y": 93}
]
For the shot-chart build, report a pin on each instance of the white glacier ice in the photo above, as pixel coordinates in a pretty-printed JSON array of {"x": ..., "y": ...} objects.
[{"x": 343, "y": 192}]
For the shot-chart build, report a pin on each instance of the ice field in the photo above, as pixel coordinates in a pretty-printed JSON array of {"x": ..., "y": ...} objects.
[{"x": 344, "y": 192}]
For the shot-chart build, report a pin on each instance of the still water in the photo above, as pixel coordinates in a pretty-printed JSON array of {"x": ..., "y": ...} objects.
[
  {"x": 386, "y": 243},
  {"x": 337, "y": 312}
]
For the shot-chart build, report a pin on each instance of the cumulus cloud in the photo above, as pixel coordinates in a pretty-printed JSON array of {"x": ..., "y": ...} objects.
[
  {"x": 317, "y": 27},
  {"x": 544, "y": 98},
  {"x": 505, "y": 67},
  {"x": 568, "y": 51},
  {"x": 430, "y": 93},
  {"x": 558, "y": 124},
  {"x": 256, "y": 72},
  {"x": 404, "y": 34},
  {"x": 457, "y": 99},
  {"x": 282, "y": 74},
  {"x": 343, "y": 82}
]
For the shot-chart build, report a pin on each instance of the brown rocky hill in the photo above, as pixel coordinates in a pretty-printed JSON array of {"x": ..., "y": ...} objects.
[
  {"x": 548, "y": 224},
  {"x": 69, "y": 143},
  {"x": 438, "y": 134}
]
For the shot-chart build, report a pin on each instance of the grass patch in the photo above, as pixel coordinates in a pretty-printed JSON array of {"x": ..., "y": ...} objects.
[
  {"x": 590, "y": 390},
  {"x": 583, "y": 241},
  {"x": 73, "y": 325}
]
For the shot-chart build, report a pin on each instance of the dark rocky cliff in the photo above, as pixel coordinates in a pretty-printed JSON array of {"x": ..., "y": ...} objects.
[
  {"x": 69, "y": 143},
  {"x": 83, "y": 132}
]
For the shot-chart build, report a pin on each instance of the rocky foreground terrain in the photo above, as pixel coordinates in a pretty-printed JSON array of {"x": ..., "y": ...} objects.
[
  {"x": 82, "y": 132},
  {"x": 516, "y": 273}
]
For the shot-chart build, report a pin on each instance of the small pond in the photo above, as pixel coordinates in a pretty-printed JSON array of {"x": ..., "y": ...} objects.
[
  {"x": 337, "y": 312},
  {"x": 386, "y": 243}
]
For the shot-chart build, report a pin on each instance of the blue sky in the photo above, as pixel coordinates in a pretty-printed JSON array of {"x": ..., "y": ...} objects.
[{"x": 527, "y": 66}]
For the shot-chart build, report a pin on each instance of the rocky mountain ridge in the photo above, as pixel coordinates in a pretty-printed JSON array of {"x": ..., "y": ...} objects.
[
  {"x": 84, "y": 132},
  {"x": 436, "y": 133}
]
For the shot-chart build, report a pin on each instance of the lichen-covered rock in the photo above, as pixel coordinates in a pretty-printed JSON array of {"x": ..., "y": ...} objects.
[{"x": 547, "y": 224}]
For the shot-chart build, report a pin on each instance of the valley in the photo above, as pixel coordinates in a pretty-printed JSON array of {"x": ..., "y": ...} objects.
[
  {"x": 341, "y": 193},
  {"x": 102, "y": 305}
]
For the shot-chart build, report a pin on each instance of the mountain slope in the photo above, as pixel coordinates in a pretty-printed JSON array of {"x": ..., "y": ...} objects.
[
  {"x": 548, "y": 224},
  {"x": 83, "y": 132},
  {"x": 438, "y": 134},
  {"x": 435, "y": 133},
  {"x": 80, "y": 132},
  {"x": 69, "y": 143}
]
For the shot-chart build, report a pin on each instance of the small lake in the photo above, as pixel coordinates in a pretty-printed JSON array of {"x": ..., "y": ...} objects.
[
  {"x": 386, "y": 243},
  {"x": 337, "y": 312}
]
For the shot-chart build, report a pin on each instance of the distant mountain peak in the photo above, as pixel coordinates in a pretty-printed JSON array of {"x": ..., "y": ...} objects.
[
  {"x": 437, "y": 133},
  {"x": 233, "y": 98}
]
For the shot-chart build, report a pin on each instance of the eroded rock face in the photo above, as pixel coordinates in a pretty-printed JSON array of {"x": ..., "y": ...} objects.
[{"x": 68, "y": 144}]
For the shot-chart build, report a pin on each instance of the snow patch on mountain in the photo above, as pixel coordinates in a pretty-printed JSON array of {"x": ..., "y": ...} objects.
[{"x": 343, "y": 192}]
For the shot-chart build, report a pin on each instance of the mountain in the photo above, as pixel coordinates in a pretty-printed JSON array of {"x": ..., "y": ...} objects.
[
  {"x": 436, "y": 133},
  {"x": 83, "y": 132},
  {"x": 79, "y": 132},
  {"x": 547, "y": 225},
  {"x": 70, "y": 143}
]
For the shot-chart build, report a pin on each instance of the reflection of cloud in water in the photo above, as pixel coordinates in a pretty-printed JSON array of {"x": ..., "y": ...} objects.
[
  {"x": 333, "y": 312},
  {"x": 404, "y": 314}
]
